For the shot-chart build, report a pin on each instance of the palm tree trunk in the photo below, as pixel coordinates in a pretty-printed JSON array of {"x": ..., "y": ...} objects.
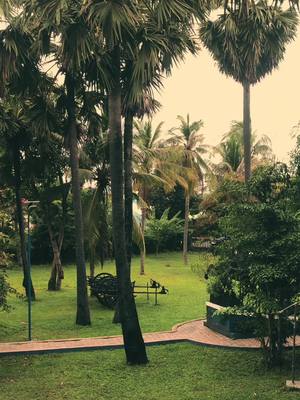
[
  {"x": 56, "y": 277},
  {"x": 143, "y": 222},
  {"x": 83, "y": 312},
  {"x": 128, "y": 139},
  {"x": 186, "y": 228},
  {"x": 57, "y": 273},
  {"x": 92, "y": 261},
  {"x": 133, "y": 340},
  {"x": 247, "y": 131},
  {"x": 27, "y": 282}
]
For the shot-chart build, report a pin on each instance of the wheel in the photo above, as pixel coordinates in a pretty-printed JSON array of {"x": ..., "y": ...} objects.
[{"x": 106, "y": 289}]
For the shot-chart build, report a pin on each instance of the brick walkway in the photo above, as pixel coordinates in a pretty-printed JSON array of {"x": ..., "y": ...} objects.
[{"x": 193, "y": 332}]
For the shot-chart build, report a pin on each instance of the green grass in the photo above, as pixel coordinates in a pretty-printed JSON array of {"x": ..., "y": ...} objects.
[
  {"x": 54, "y": 312},
  {"x": 175, "y": 372}
]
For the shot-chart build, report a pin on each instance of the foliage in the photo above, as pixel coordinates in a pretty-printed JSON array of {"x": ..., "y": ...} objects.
[
  {"x": 215, "y": 204},
  {"x": 163, "y": 229},
  {"x": 190, "y": 149},
  {"x": 231, "y": 151},
  {"x": 5, "y": 263},
  {"x": 174, "y": 200},
  {"x": 41, "y": 247},
  {"x": 267, "y": 29},
  {"x": 259, "y": 264},
  {"x": 200, "y": 266}
]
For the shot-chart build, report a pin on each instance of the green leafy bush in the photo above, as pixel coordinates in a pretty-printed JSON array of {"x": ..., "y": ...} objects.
[
  {"x": 5, "y": 260},
  {"x": 161, "y": 230},
  {"x": 260, "y": 263}
]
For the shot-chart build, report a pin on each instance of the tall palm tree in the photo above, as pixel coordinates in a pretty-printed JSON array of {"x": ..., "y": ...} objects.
[
  {"x": 188, "y": 142},
  {"x": 148, "y": 168},
  {"x": 140, "y": 106},
  {"x": 14, "y": 139},
  {"x": 116, "y": 21},
  {"x": 122, "y": 24},
  {"x": 64, "y": 36},
  {"x": 248, "y": 41}
]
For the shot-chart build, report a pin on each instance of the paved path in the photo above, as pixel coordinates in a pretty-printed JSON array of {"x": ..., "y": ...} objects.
[{"x": 193, "y": 331}]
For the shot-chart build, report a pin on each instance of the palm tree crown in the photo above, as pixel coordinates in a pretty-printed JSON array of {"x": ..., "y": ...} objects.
[
  {"x": 232, "y": 152},
  {"x": 249, "y": 45}
]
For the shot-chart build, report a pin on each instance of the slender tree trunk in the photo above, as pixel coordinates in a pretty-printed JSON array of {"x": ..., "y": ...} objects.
[
  {"x": 21, "y": 224},
  {"x": 133, "y": 340},
  {"x": 53, "y": 276},
  {"x": 83, "y": 312},
  {"x": 57, "y": 273},
  {"x": 247, "y": 131},
  {"x": 186, "y": 228},
  {"x": 92, "y": 261},
  {"x": 143, "y": 222},
  {"x": 128, "y": 140},
  {"x": 17, "y": 236}
]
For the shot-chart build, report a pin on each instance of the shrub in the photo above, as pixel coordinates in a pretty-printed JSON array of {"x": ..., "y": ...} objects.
[
  {"x": 162, "y": 230},
  {"x": 260, "y": 263}
]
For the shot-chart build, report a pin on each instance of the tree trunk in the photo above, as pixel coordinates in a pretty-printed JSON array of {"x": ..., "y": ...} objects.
[
  {"x": 57, "y": 273},
  {"x": 17, "y": 237},
  {"x": 186, "y": 228},
  {"x": 128, "y": 140},
  {"x": 92, "y": 261},
  {"x": 83, "y": 312},
  {"x": 133, "y": 340},
  {"x": 27, "y": 282},
  {"x": 274, "y": 353},
  {"x": 247, "y": 131},
  {"x": 53, "y": 277},
  {"x": 143, "y": 222}
]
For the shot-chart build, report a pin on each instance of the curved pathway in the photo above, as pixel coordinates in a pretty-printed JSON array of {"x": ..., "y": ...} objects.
[{"x": 193, "y": 331}]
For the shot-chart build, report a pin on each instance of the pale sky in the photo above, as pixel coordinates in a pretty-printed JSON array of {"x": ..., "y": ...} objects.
[{"x": 198, "y": 88}]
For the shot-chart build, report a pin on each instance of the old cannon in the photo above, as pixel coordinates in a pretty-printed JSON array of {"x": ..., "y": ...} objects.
[{"x": 104, "y": 286}]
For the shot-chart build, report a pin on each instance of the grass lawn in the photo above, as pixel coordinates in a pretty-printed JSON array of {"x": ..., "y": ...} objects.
[
  {"x": 180, "y": 371},
  {"x": 54, "y": 312}
]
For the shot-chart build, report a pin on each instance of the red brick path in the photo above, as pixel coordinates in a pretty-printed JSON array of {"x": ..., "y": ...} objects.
[{"x": 193, "y": 331}]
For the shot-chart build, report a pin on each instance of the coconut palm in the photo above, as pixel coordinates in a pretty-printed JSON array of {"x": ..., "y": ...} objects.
[
  {"x": 149, "y": 167},
  {"x": 232, "y": 152},
  {"x": 139, "y": 107},
  {"x": 248, "y": 41},
  {"x": 188, "y": 142}
]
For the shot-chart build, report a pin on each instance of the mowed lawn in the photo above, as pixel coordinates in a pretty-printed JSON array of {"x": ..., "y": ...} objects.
[
  {"x": 53, "y": 313},
  {"x": 175, "y": 372}
]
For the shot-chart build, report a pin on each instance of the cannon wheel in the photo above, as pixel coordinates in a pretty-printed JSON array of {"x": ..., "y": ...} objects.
[{"x": 105, "y": 288}]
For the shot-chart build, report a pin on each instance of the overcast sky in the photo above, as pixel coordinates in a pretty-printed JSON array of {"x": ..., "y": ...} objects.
[{"x": 198, "y": 88}]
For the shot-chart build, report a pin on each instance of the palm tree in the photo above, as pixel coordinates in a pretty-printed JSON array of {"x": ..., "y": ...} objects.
[
  {"x": 232, "y": 152},
  {"x": 74, "y": 47},
  {"x": 188, "y": 142},
  {"x": 116, "y": 21},
  {"x": 14, "y": 139},
  {"x": 248, "y": 41},
  {"x": 129, "y": 29},
  {"x": 134, "y": 106},
  {"x": 149, "y": 156}
]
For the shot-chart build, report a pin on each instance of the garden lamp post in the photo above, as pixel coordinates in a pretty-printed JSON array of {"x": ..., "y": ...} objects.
[{"x": 30, "y": 205}]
